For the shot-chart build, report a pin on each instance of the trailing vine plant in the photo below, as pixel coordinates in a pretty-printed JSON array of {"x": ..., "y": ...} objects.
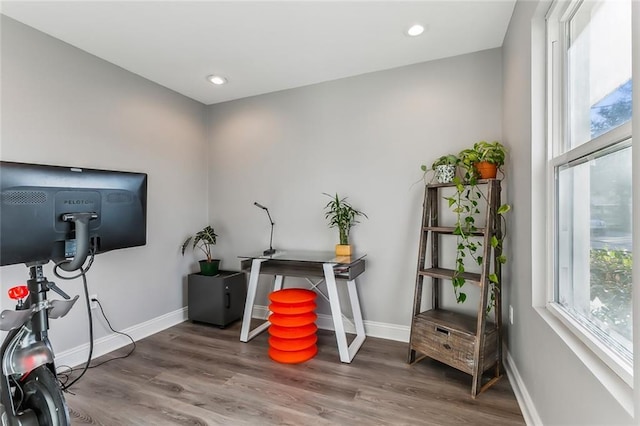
[{"x": 465, "y": 203}]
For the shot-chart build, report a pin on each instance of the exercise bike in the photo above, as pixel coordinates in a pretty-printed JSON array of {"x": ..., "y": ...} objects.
[{"x": 30, "y": 392}]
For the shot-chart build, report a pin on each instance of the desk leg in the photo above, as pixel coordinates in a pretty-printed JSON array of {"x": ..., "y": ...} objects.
[
  {"x": 347, "y": 352},
  {"x": 245, "y": 336},
  {"x": 277, "y": 282},
  {"x": 357, "y": 319}
]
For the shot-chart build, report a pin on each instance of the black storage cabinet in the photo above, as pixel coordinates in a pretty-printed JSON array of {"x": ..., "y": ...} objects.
[{"x": 218, "y": 299}]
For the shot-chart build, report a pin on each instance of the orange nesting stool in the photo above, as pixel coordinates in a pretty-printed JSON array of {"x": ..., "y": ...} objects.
[{"x": 293, "y": 331}]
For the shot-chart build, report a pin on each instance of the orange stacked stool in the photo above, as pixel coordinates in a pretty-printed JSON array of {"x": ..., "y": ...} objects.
[{"x": 292, "y": 334}]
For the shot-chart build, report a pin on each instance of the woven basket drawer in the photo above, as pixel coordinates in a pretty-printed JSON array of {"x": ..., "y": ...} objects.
[{"x": 450, "y": 338}]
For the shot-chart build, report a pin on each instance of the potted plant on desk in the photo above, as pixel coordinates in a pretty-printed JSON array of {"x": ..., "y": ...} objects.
[
  {"x": 203, "y": 240},
  {"x": 342, "y": 215}
]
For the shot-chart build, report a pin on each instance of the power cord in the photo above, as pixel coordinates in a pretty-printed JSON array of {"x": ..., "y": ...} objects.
[
  {"x": 83, "y": 271},
  {"x": 65, "y": 376},
  {"x": 133, "y": 342},
  {"x": 64, "y": 386}
]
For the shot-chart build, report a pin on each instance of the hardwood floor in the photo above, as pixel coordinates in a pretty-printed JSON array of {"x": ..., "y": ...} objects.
[{"x": 194, "y": 374}]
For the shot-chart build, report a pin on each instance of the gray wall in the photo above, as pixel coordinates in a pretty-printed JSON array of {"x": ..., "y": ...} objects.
[
  {"x": 363, "y": 137},
  {"x": 62, "y": 106},
  {"x": 563, "y": 390}
]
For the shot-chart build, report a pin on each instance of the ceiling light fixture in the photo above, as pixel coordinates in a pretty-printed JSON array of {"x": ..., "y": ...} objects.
[
  {"x": 415, "y": 30},
  {"x": 217, "y": 80}
]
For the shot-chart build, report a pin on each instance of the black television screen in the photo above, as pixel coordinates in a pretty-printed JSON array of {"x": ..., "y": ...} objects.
[{"x": 43, "y": 209}]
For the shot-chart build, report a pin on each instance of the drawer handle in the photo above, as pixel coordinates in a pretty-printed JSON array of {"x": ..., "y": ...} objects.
[
  {"x": 446, "y": 346},
  {"x": 442, "y": 330}
]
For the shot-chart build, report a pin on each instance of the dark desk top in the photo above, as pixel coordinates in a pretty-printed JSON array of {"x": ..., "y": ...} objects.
[{"x": 307, "y": 256}]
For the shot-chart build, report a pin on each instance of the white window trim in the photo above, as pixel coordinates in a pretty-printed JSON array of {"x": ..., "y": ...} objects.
[
  {"x": 635, "y": 24},
  {"x": 615, "y": 385},
  {"x": 542, "y": 195},
  {"x": 556, "y": 68},
  {"x": 609, "y": 357}
]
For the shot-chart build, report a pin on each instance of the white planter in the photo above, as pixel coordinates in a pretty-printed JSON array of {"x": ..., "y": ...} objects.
[{"x": 445, "y": 173}]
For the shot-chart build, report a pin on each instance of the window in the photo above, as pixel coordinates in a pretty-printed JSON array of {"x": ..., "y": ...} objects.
[{"x": 590, "y": 106}]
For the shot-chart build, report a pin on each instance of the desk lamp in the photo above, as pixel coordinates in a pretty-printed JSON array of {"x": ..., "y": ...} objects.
[{"x": 270, "y": 250}]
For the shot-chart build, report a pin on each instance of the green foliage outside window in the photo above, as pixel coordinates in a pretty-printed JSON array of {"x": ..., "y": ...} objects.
[{"x": 611, "y": 284}]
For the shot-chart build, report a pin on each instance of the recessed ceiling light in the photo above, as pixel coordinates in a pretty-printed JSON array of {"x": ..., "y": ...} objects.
[
  {"x": 415, "y": 30},
  {"x": 216, "y": 79}
]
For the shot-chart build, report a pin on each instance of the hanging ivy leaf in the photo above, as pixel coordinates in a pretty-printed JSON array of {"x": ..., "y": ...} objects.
[{"x": 504, "y": 208}]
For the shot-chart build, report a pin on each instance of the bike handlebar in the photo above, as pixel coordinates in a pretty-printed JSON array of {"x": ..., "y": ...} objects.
[{"x": 81, "y": 222}]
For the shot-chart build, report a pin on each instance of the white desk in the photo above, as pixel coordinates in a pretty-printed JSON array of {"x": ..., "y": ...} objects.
[{"x": 309, "y": 264}]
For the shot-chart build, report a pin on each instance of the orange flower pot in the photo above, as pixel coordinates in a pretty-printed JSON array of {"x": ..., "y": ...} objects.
[{"x": 486, "y": 170}]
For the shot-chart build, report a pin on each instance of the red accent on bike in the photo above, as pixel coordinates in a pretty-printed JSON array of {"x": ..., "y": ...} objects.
[{"x": 18, "y": 292}]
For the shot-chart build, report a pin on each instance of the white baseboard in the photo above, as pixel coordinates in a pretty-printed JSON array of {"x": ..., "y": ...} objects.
[
  {"x": 395, "y": 332},
  {"x": 78, "y": 355},
  {"x": 529, "y": 411}
]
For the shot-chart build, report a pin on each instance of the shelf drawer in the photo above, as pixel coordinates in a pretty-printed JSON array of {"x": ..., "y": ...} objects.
[
  {"x": 436, "y": 336},
  {"x": 350, "y": 272}
]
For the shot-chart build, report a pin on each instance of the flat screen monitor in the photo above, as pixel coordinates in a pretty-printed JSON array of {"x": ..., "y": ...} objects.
[{"x": 53, "y": 212}]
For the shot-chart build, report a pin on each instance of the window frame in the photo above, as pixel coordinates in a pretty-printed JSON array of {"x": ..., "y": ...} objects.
[{"x": 557, "y": 132}]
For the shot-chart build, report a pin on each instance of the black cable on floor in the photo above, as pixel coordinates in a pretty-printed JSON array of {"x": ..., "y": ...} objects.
[
  {"x": 64, "y": 386},
  {"x": 133, "y": 342},
  {"x": 63, "y": 383},
  {"x": 67, "y": 374}
]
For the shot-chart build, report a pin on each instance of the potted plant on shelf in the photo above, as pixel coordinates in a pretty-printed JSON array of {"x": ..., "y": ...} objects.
[
  {"x": 343, "y": 216},
  {"x": 465, "y": 204},
  {"x": 444, "y": 168},
  {"x": 483, "y": 160},
  {"x": 203, "y": 240}
]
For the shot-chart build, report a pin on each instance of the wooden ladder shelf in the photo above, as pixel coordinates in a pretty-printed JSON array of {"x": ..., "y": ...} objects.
[{"x": 472, "y": 344}]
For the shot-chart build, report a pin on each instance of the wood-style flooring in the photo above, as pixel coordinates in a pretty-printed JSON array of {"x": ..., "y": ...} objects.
[{"x": 195, "y": 374}]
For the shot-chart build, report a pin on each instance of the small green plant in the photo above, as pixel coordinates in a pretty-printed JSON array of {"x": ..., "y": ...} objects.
[
  {"x": 491, "y": 152},
  {"x": 341, "y": 215},
  {"x": 445, "y": 160},
  {"x": 203, "y": 240}
]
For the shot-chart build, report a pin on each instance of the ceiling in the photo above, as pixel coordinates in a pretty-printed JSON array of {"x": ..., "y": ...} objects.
[{"x": 264, "y": 46}]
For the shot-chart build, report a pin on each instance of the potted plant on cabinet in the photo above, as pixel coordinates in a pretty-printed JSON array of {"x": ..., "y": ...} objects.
[
  {"x": 342, "y": 215},
  {"x": 203, "y": 240},
  {"x": 444, "y": 168},
  {"x": 483, "y": 160}
]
